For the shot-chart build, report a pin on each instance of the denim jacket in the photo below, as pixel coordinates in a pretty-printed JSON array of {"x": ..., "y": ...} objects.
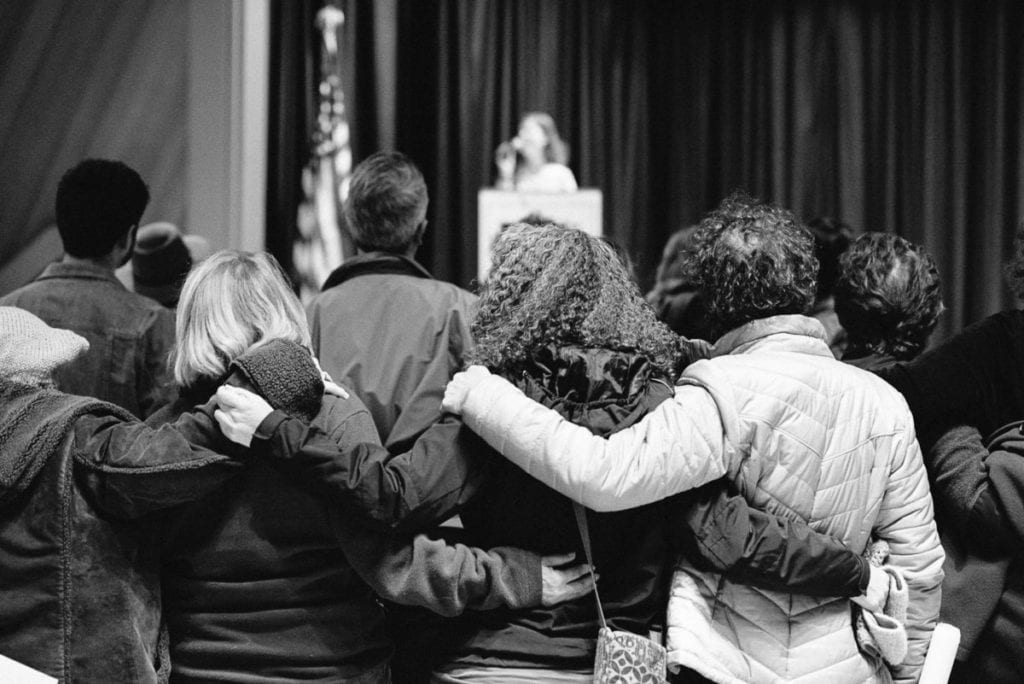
[{"x": 130, "y": 336}]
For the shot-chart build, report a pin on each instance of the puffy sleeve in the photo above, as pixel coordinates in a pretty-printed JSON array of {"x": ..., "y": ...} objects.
[
  {"x": 906, "y": 521},
  {"x": 678, "y": 446}
]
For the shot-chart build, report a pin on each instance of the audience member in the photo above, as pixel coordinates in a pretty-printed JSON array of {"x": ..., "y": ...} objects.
[
  {"x": 80, "y": 594},
  {"x": 675, "y": 297},
  {"x": 382, "y": 325},
  {"x": 561, "y": 318},
  {"x": 99, "y": 204},
  {"x": 535, "y": 160},
  {"x": 161, "y": 260},
  {"x": 795, "y": 429},
  {"x": 258, "y": 578},
  {"x": 831, "y": 238},
  {"x": 961, "y": 393},
  {"x": 888, "y": 298}
]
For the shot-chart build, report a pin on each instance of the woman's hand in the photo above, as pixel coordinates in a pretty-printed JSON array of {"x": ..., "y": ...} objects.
[
  {"x": 330, "y": 387},
  {"x": 240, "y": 412},
  {"x": 457, "y": 391},
  {"x": 560, "y": 584}
]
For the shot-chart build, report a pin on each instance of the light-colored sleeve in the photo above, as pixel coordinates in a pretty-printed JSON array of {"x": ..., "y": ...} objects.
[
  {"x": 676, "y": 447},
  {"x": 907, "y": 522}
]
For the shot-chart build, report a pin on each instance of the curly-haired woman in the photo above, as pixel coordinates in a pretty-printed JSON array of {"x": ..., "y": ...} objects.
[
  {"x": 795, "y": 430},
  {"x": 560, "y": 318},
  {"x": 888, "y": 297}
]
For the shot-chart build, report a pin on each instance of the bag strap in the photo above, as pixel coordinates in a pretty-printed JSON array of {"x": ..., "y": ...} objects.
[{"x": 581, "y": 523}]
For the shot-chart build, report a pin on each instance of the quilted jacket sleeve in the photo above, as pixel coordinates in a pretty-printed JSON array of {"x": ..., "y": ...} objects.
[
  {"x": 906, "y": 522},
  {"x": 676, "y": 447}
]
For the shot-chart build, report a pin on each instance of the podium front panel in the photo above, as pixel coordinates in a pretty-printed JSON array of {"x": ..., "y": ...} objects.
[{"x": 498, "y": 209}]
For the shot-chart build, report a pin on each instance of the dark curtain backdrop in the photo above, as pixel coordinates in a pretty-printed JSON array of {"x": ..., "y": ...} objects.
[{"x": 901, "y": 117}]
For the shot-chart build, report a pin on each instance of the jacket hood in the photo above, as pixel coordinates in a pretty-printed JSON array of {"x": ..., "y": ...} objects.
[
  {"x": 34, "y": 423},
  {"x": 593, "y": 387}
]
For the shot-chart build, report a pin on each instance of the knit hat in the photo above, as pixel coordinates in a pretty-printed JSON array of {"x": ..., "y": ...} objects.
[
  {"x": 284, "y": 374},
  {"x": 162, "y": 259},
  {"x": 30, "y": 350}
]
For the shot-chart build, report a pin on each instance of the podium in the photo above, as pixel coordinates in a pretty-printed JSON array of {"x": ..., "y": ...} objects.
[{"x": 498, "y": 209}]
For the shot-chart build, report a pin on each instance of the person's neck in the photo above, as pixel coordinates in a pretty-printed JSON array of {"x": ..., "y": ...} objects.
[
  {"x": 105, "y": 262},
  {"x": 531, "y": 165},
  {"x": 409, "y": 253}
]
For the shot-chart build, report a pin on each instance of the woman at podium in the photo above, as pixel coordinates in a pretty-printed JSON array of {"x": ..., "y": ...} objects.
[{"x": 535, "y": 160}]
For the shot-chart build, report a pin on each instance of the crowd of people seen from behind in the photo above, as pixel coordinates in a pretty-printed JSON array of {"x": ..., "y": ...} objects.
[{"x": 761, "y": 465}]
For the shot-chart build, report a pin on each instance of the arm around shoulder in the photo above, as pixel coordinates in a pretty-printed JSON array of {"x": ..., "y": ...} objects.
[{"x": 676, "y": 447}]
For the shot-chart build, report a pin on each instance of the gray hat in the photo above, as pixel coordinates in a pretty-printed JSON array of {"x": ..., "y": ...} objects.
[{"x": 30, "y": 350}]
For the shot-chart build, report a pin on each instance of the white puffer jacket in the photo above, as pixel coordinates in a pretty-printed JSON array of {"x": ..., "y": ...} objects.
[{"x": 802, "y": 435}]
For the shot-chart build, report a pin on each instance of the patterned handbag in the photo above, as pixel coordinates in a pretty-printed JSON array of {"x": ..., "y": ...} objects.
[{"x": 622, "y": 657}]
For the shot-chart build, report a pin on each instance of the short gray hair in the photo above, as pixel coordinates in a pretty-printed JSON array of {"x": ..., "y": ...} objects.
[{"x": 387, "y": 201}]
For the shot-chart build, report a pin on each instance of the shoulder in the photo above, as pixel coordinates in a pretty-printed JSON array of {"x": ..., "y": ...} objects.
[
  {"x": 347, "y": 419},
  {"x": 560, "y": 176}
]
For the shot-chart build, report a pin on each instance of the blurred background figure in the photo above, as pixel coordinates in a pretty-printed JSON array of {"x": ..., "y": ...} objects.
[
  {"x": 162, "y": 259},
  {"x": 535, "y": 160},
  {"x": 831, "y": 238},
  {"x": 675, "y": 297}
]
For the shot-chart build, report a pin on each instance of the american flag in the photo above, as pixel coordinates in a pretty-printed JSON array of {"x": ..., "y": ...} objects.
[{"x": 319, "y": 247}]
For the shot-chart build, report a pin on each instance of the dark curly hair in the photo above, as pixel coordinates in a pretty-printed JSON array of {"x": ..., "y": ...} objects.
[
  {"x": 888, "y": 296},
  {"x": 551, "y": 285},
  {"x": 753, "y": 260}
]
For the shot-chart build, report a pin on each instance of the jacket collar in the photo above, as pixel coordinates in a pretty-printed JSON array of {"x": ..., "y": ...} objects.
[
  {"x": 791, "y": 332},
  {"x": 376, "y": 263},
  {"x": 601, "y": 389},
  {"x": 82, "y": 270}
]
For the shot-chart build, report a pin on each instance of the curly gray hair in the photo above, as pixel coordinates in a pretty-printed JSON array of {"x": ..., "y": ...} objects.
[{"x": 753, "y": 260}]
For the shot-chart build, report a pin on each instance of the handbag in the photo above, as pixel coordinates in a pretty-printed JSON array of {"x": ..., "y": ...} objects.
[{"x": 622, "y": 657}]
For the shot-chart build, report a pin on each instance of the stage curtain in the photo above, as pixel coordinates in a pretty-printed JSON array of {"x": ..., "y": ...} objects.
[{"x": 901, "y": 117}]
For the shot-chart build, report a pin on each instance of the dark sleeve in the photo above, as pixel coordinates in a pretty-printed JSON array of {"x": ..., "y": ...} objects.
[
  {"x": 129, "y": 469},
  {"x": 958, "y": 476},
  {"x": 155, "y": 388},
  {"x": 951, "y": 384},
  {"x": 418, "y": 489},
  {"x": 1003, "y": 509},
  {"x": 764, "y": 550},
  {"x": 445, "y": 578}
]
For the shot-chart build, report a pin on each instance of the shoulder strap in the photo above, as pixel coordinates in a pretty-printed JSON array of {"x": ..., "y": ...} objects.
[{"x": 581, "y": 523}]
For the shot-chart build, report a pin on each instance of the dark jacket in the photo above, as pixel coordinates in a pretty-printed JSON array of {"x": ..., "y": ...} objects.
[
  {"x": 450, "y": 467},
  {"x": 976, "y": 379},
  {"x": 80, "y": 592},
  {"x": 384, "y": 327},
  {"x": 261, "y": 583},
  {"x": 129, "y": 335}
]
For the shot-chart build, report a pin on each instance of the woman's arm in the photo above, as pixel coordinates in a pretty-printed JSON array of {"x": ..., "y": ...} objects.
[
  {"x": 416, "y": 490},
  {"x": 130, "y": 469},
  {"x": 452, "y": 578},
  {"x": 981, "y": 491},
  {"x": 764, "y": 550},
  {"x": 673, "y": 449}
]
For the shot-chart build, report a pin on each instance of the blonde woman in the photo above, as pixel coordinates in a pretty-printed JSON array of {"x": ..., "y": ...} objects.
[{"x": 258, "y": 581}]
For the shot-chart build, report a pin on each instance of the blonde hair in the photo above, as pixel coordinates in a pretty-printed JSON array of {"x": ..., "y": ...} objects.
[{"x": 230, "y": 303}]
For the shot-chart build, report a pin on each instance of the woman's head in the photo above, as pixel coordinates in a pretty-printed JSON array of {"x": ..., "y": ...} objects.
[
  {"x": 538, "y": 137},
  {"x": 558, "y": 286},
  {"x": 230, "y": 303},
  {"x": 753, "y": 260}
]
